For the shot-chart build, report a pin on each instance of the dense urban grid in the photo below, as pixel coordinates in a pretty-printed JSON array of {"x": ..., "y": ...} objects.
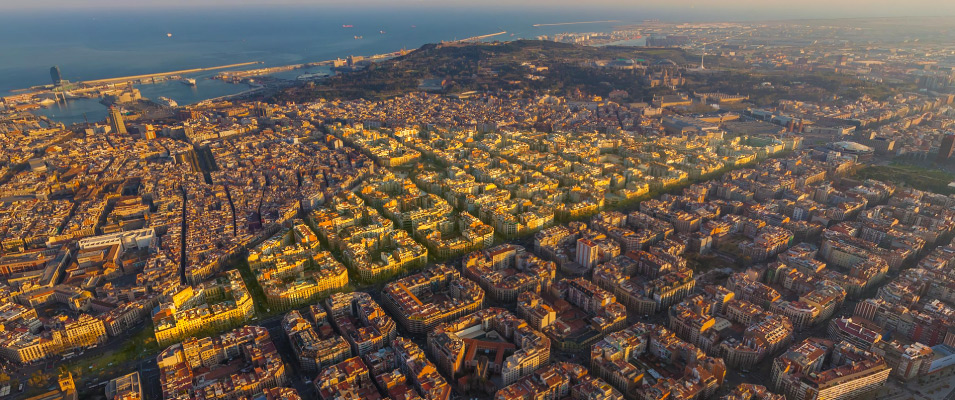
[{"x": 697, "y": 240}]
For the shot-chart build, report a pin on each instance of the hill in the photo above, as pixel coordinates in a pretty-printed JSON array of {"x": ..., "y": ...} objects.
[
  {"x": 560, "y": 69},
  {"x": 574, "y": 71}
]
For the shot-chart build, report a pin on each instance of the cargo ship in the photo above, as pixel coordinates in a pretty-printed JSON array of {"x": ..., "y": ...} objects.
[{"x": 348, "y": 26}]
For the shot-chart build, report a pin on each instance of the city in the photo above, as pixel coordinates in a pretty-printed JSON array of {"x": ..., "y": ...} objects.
[{"x": 719, "y": 210}]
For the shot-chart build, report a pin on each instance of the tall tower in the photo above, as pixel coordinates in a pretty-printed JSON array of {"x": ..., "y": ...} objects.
[
  {"x": 55, "y": 75},
  {"x": 116, "y": 121},
  {"x": 947, "y": 148}
]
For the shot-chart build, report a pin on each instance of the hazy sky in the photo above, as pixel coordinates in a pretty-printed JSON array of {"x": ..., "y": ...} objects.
[{"x": 782, "y": 9}]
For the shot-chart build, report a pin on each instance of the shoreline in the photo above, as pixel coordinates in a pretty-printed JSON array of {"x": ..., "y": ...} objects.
[{"x": 92, "y": 84}]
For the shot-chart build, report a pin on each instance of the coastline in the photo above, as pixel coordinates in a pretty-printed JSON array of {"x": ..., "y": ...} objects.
[{"x": 73, "y": 108}]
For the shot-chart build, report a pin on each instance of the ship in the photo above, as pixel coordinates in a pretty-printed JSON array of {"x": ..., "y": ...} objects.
[
  {"x": 165, "y": 101},
  {"x": 348, "y": 26},
  {"x": 359, "y": 37},
  {"x": 314, "y": 75},
  {"x": 189, "y": 81}
]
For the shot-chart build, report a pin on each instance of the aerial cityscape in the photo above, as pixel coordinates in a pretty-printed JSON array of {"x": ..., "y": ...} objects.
[{"x": 558, "y": 206}]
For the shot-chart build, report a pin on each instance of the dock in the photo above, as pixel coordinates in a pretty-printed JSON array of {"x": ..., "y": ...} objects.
[{"x": 161, "y": 74}]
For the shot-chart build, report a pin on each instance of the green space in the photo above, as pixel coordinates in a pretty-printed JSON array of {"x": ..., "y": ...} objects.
[
  {"x": 920, "y": 178},
  {"x": 262, "y": 308},
  {"x": 730, "y": 245},
  {"x": 704, "y": 263},
  {"x": 115, "y": 362}
]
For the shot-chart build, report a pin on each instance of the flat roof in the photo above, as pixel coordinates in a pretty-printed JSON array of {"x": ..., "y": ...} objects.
[{"x": 943, "y": 350}]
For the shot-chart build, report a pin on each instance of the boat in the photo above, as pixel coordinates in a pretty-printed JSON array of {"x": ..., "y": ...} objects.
[
  {"x": 381, "y": 32},
  {"x": 165, "y": 101},
  {"x": 359, "y": 37},
  {"x": 348, "y": 26},
  {"x": 313, "y": 75},
  {"x": 189, "y": 81}
]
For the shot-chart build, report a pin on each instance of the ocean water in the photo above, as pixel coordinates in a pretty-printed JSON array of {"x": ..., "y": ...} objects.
[
  {"x": 74, "y": 111},
  {"x": 96, "y": 44},
  {"x": 100, "y": 44}
]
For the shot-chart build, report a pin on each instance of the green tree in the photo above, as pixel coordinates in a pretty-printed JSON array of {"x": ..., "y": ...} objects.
[{"x": 38, "y": 379}]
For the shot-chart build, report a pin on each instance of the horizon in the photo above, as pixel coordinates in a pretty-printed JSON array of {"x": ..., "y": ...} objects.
[
  {"x": 684, "y": 11},
  {"x": 100, "y": 42}
]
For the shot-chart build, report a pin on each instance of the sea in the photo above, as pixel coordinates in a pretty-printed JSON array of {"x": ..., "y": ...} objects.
[{"x": 101, "y": 43}]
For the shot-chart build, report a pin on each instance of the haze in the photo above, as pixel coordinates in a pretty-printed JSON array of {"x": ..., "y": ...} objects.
[{"x": 741, "y": 9}]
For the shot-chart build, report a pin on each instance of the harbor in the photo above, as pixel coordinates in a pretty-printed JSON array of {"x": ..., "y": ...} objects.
[
  {"x": 163, "y": 74},
  {"x": 87, "y": 101},
  {"x": 238, "y": 76}
]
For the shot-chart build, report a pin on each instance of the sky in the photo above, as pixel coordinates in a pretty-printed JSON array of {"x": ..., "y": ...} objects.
[{"x": 784, "y": 9}]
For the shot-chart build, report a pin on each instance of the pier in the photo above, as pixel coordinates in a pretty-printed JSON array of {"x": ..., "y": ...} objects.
[
  {"x": 161, "y": 74},
  {"x": 476, "y": 38}
]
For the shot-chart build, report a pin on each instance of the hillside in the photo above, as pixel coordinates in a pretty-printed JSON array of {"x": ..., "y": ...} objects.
[
  {"x": 573, "y": 71},
  {"x": 493, "y": 66}
]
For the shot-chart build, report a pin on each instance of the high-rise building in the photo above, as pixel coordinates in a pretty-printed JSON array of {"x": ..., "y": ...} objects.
[
  {"x": 947, "y": 147},
  {"x": 116, "y": 121},
  {"x": 55, "y": 75},
  {"x": 587, "y": 253}
]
